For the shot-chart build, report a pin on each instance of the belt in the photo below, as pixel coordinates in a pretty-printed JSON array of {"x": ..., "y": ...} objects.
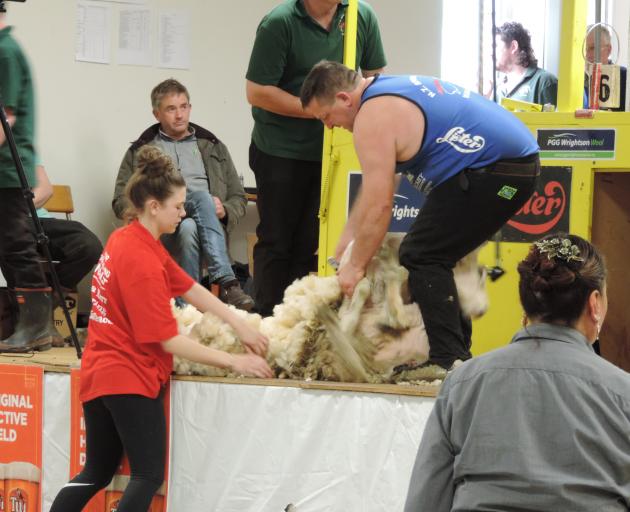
[{"x": 524, "y": 167}]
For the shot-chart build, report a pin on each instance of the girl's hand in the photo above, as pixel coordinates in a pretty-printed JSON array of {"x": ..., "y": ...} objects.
[
  {"x": 252, "y": 340},
  {"x": 251, "y": 365}
]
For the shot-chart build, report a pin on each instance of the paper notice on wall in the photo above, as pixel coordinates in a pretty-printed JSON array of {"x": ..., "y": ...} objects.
[
  {"x": 134, "y": 37},
  {"x": 174, "y": 39},
  {"x": 93, "y": 39},
  {"x": 21, "y": 414}
]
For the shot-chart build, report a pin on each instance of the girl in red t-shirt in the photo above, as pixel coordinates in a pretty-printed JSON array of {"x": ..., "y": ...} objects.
[{"x": 132, "y": 338}]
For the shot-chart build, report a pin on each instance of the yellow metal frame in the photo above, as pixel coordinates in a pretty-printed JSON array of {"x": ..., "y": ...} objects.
[
  {"x": 520, "y": 106},
  {"x": 330, "y": 231},
  {"x": 504, "y": 316},
  {"x": 571, "y": 67}
]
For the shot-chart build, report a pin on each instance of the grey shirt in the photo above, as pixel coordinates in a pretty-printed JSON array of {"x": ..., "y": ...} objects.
[
  {"x": 540, "y": 425},
  {"x": 187, "y": 158}
]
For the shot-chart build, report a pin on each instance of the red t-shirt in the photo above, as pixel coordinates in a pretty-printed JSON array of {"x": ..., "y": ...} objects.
[{"x": 131, "y": 315}]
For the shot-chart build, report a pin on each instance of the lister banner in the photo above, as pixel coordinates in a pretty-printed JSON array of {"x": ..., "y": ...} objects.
[
  {"x": 546, "y": 211},
  {"x": 21, "y": 414}
]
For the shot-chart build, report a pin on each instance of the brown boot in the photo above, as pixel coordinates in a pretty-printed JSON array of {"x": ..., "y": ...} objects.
[
  {"x": 233, "y": 294},
  {"x": 35, "y": 329}
]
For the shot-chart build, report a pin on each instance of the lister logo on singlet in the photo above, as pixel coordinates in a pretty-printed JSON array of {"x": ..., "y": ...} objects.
[{"x": 462, "y": 141}]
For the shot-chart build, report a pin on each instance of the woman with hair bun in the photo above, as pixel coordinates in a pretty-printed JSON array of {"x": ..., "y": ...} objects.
[
  {"x": 544, "y": 423},
  {"x": 132, "y": 337}
]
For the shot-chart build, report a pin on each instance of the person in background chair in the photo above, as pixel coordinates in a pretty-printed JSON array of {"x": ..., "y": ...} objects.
[
  {"x": 215, "y": 199},
  {"x": 73, "y": 246},
  {"x": 18, "y": 248}
]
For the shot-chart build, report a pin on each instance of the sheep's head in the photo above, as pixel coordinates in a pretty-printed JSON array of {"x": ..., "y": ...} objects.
[{"x": 470, "y": 280}]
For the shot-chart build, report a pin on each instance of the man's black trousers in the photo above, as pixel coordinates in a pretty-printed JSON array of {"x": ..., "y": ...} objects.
[
  {"x": 288, "y": 232},
  {"x": 457, "y": 217}
]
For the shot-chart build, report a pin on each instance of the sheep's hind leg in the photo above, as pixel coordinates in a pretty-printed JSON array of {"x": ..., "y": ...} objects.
[{"x": 350, "y": 311}]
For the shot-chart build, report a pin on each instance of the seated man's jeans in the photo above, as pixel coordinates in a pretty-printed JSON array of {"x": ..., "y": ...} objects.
[
  {"x": 198, "y": 238},
  {"x": 183, "y": 245}
]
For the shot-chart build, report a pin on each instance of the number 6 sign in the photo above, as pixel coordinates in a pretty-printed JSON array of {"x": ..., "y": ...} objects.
[{"x": 604, "y": 86}]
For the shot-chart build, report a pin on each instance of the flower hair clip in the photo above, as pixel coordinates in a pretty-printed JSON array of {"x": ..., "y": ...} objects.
[{"x": 561, "y": 248}]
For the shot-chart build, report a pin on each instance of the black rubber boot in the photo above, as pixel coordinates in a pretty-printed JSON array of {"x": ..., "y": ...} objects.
[{"x": 35, "y": 329}]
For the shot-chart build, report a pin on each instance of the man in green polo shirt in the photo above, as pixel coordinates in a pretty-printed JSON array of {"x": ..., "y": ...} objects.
[
  {"x": 286, "y": 149},
  {"x": 523, "y": 79},
  {"x": 18, "y": 250}
]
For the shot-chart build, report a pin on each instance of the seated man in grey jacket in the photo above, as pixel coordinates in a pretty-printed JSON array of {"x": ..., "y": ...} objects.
[{"x": 215, "y": 199}]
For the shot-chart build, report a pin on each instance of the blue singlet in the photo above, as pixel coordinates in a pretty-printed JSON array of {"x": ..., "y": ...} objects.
[{"x": 462, "y": 129}]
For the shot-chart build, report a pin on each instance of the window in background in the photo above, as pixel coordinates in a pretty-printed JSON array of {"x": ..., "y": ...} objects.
[
  {"x": 463, "y": 56},
  {"x": 460, "y": 42}
]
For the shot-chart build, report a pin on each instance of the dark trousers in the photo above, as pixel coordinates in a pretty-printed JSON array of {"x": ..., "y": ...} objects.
[
  {"x": 18, "y": 247},
  {"x": 457, "y": 217},
  {"x": 74, "y": 246},
  {"x": 133, "y": 422},
  {"x": 288, "y": 232}
]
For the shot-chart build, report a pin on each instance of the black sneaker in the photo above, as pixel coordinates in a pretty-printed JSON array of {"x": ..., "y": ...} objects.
[{"x": 233, "y": 294}]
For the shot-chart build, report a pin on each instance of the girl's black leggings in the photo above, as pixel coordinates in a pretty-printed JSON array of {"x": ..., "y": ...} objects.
[{"x": 131, "y": 422}]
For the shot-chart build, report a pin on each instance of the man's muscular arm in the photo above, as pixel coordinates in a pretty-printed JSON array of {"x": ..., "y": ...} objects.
[{"x": 375, "y": 143}]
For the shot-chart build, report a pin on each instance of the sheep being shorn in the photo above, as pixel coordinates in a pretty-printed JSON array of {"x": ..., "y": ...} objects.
[{"x": 316, "y": 334}]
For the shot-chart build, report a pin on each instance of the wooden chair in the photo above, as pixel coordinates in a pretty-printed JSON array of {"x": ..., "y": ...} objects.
[{"x": 61, "y": 201}]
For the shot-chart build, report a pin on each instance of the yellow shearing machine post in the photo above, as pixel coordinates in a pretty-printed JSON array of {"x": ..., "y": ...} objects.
[{"x": 338, "y": 157}]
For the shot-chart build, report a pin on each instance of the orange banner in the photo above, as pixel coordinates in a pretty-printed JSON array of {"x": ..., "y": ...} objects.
[
  {"x": 108, "y": 499},
  {"x": 21, "y": 413}
]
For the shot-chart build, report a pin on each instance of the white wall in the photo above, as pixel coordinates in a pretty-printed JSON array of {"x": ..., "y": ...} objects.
[{"x": 89, "y": 113}]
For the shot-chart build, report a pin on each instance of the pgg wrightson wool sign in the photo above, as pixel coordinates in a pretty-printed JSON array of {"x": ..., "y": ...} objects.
[{"x": 576, "y": 144}]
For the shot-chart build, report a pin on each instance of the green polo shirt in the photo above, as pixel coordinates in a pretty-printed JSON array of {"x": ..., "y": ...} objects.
[
  {"x": 288, "y": 44},
  {"x": 16, "y": 94},
  {"x": 537, "y": 86}
]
